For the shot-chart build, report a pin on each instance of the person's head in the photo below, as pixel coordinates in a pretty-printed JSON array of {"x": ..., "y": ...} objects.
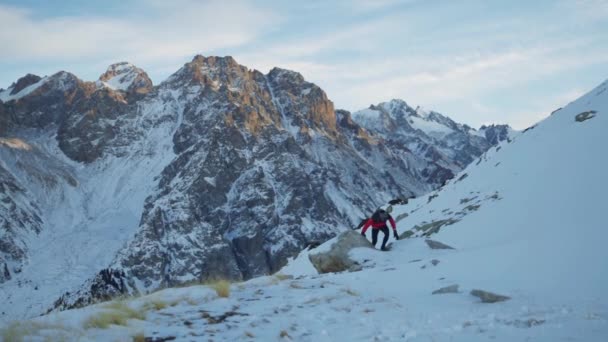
[{"x": 387, "y": 208}]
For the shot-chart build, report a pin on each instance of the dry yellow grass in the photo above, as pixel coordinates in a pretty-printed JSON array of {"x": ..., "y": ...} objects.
[
  {"x": 116, "y": 313},
  {"x": 24, "y": 331},
  {"x": 155, "y": 304},
  {"x": 282, "y": 277},
  {"x": 139, "y": 338},
  {"x": 221, "y": 287}
]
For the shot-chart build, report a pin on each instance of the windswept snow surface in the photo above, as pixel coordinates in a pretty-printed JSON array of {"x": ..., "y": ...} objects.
[
  {"x": 429, "y": 127},
  {"x": 530, "y": 225}
]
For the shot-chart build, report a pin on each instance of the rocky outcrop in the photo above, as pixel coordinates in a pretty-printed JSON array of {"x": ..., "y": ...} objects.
[
  {"x": 584, "y": 116},
  {"x": 19, "y": 218},
  {"x": 336, "y": 259},
  {"x": 50, "y": 103},
  {"x": 489, "y": 297},
  {"x": 447, "y": 289},
  {"x": 5, "y": 122},
  {"x": 107, "y": 284},
  {"x": 24, "y": 82},
  {"x": 437, "y": 245},
  {"x": 86, "y": 133},
  {"x": 496, "y": 133},
  {"x": 5, "y": 274},
  {"x": 303, "y": 105}
]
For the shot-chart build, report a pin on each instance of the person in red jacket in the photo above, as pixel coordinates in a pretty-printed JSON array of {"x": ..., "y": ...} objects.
[{"x": 378, "y": 223}]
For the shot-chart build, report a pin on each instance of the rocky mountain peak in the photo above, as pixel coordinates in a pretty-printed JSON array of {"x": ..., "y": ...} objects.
[
  {"x": 24, "y": 82},
  {"x": 211, "y": 72},
  {"x": 496, "y": 133},
  {"x": 301, "y": 102},
  {"x": 285, "y": 75},
  {"x": 126, "y": 77}
]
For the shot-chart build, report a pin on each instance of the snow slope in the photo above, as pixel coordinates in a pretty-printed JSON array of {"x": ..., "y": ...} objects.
[
  {"x": 526, "y": 221},
  {"x": 90, "y": 211}
]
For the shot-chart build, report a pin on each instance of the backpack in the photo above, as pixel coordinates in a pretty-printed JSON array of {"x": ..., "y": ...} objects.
[{"x": 380, "y": 216}]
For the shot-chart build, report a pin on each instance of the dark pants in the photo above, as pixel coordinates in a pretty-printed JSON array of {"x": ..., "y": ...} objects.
[{"x": 375, "y": 235}]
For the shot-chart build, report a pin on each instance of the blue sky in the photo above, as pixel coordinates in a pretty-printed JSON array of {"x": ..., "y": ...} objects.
[{"x": 477, "y": 61}]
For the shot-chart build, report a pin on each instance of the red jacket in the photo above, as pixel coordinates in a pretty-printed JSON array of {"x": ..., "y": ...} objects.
[{"x": 378, "y": 225}]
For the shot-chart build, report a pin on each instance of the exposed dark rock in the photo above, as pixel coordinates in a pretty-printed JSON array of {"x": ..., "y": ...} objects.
[
  {"x": 437, "y": 245},
  {"x": 428, "y": 229},
  {"x": 585, "y": 116},
  {"x": 5, "y": 274},
  {"x": 107, "y": 284},
  {"x": 529, "y": 128},
  {"x": 5, "y": 121},
  {"x": 85, "y": 134},
  {"x": 24, "y": 82},
  {"x": 19, "y": 219},
  {"x": 462, "y": 177},
  {"x": 51, "y": 103},
  {"x": 337, "y": 259},
  {"x": 496, "y": 133},
  {"x": 447, "y": 289},
  {"x": 489, "y": 297}
]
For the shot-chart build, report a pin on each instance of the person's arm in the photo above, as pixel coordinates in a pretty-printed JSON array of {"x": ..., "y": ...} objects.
[
  {"x": 366, "y": 225},
  {"x": 392, "y": 221}
]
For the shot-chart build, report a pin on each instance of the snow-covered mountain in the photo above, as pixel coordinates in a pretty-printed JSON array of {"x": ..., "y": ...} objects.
[
  {"x": 219, "y": 171},
  {"x": 442, "y": 146},
  {"x": 525, "y": 221}
]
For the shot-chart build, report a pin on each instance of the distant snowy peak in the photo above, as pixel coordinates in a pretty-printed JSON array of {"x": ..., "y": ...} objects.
[
  {"x": 32, "y": 85},
  {"x": 24, "y": 86},
  {"x": 127, "y": 77},
  {"x": 398, "y": 115}
]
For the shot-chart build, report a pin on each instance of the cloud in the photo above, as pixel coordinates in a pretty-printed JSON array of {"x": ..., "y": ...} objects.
[
  {"x": 181, "y": 29},
  {"x": 592, "y": 10}
]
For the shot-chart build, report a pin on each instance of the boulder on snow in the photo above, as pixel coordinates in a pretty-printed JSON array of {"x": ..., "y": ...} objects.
[
  {"x": 437, "y": 245},
  {"x": 336, "y": 259},
  {"x": 585, "y": 116},
  {"x": 489, "y": 297},
  {"x": 447, "y": 289}
]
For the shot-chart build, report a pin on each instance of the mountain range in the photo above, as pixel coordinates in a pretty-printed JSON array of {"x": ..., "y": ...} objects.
[
  {"x": 513, "y": 248},
  {"x": 119, "y": 186}
]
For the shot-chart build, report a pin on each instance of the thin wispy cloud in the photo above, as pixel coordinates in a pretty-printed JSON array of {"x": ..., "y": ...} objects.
[
  {"x": 181, "y": 29},
  {"x": 471, "y": 60}
]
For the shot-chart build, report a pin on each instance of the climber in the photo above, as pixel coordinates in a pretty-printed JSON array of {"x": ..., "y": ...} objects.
[{"x": 378, "y": 223}]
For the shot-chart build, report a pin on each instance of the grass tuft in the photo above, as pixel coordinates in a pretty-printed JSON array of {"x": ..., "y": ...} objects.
[
  {"x": 155, "y": 304},
  {"x": 19, "y": 331},
  {"x": 221, "y": 287},
  {"x": 139, "y": 338},
  {"x": 282, "y": 277},
  {"x": 117, "y": 313}
]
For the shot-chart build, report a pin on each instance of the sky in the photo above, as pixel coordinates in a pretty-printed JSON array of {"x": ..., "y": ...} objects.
[{"x": 477, "y": 61}]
